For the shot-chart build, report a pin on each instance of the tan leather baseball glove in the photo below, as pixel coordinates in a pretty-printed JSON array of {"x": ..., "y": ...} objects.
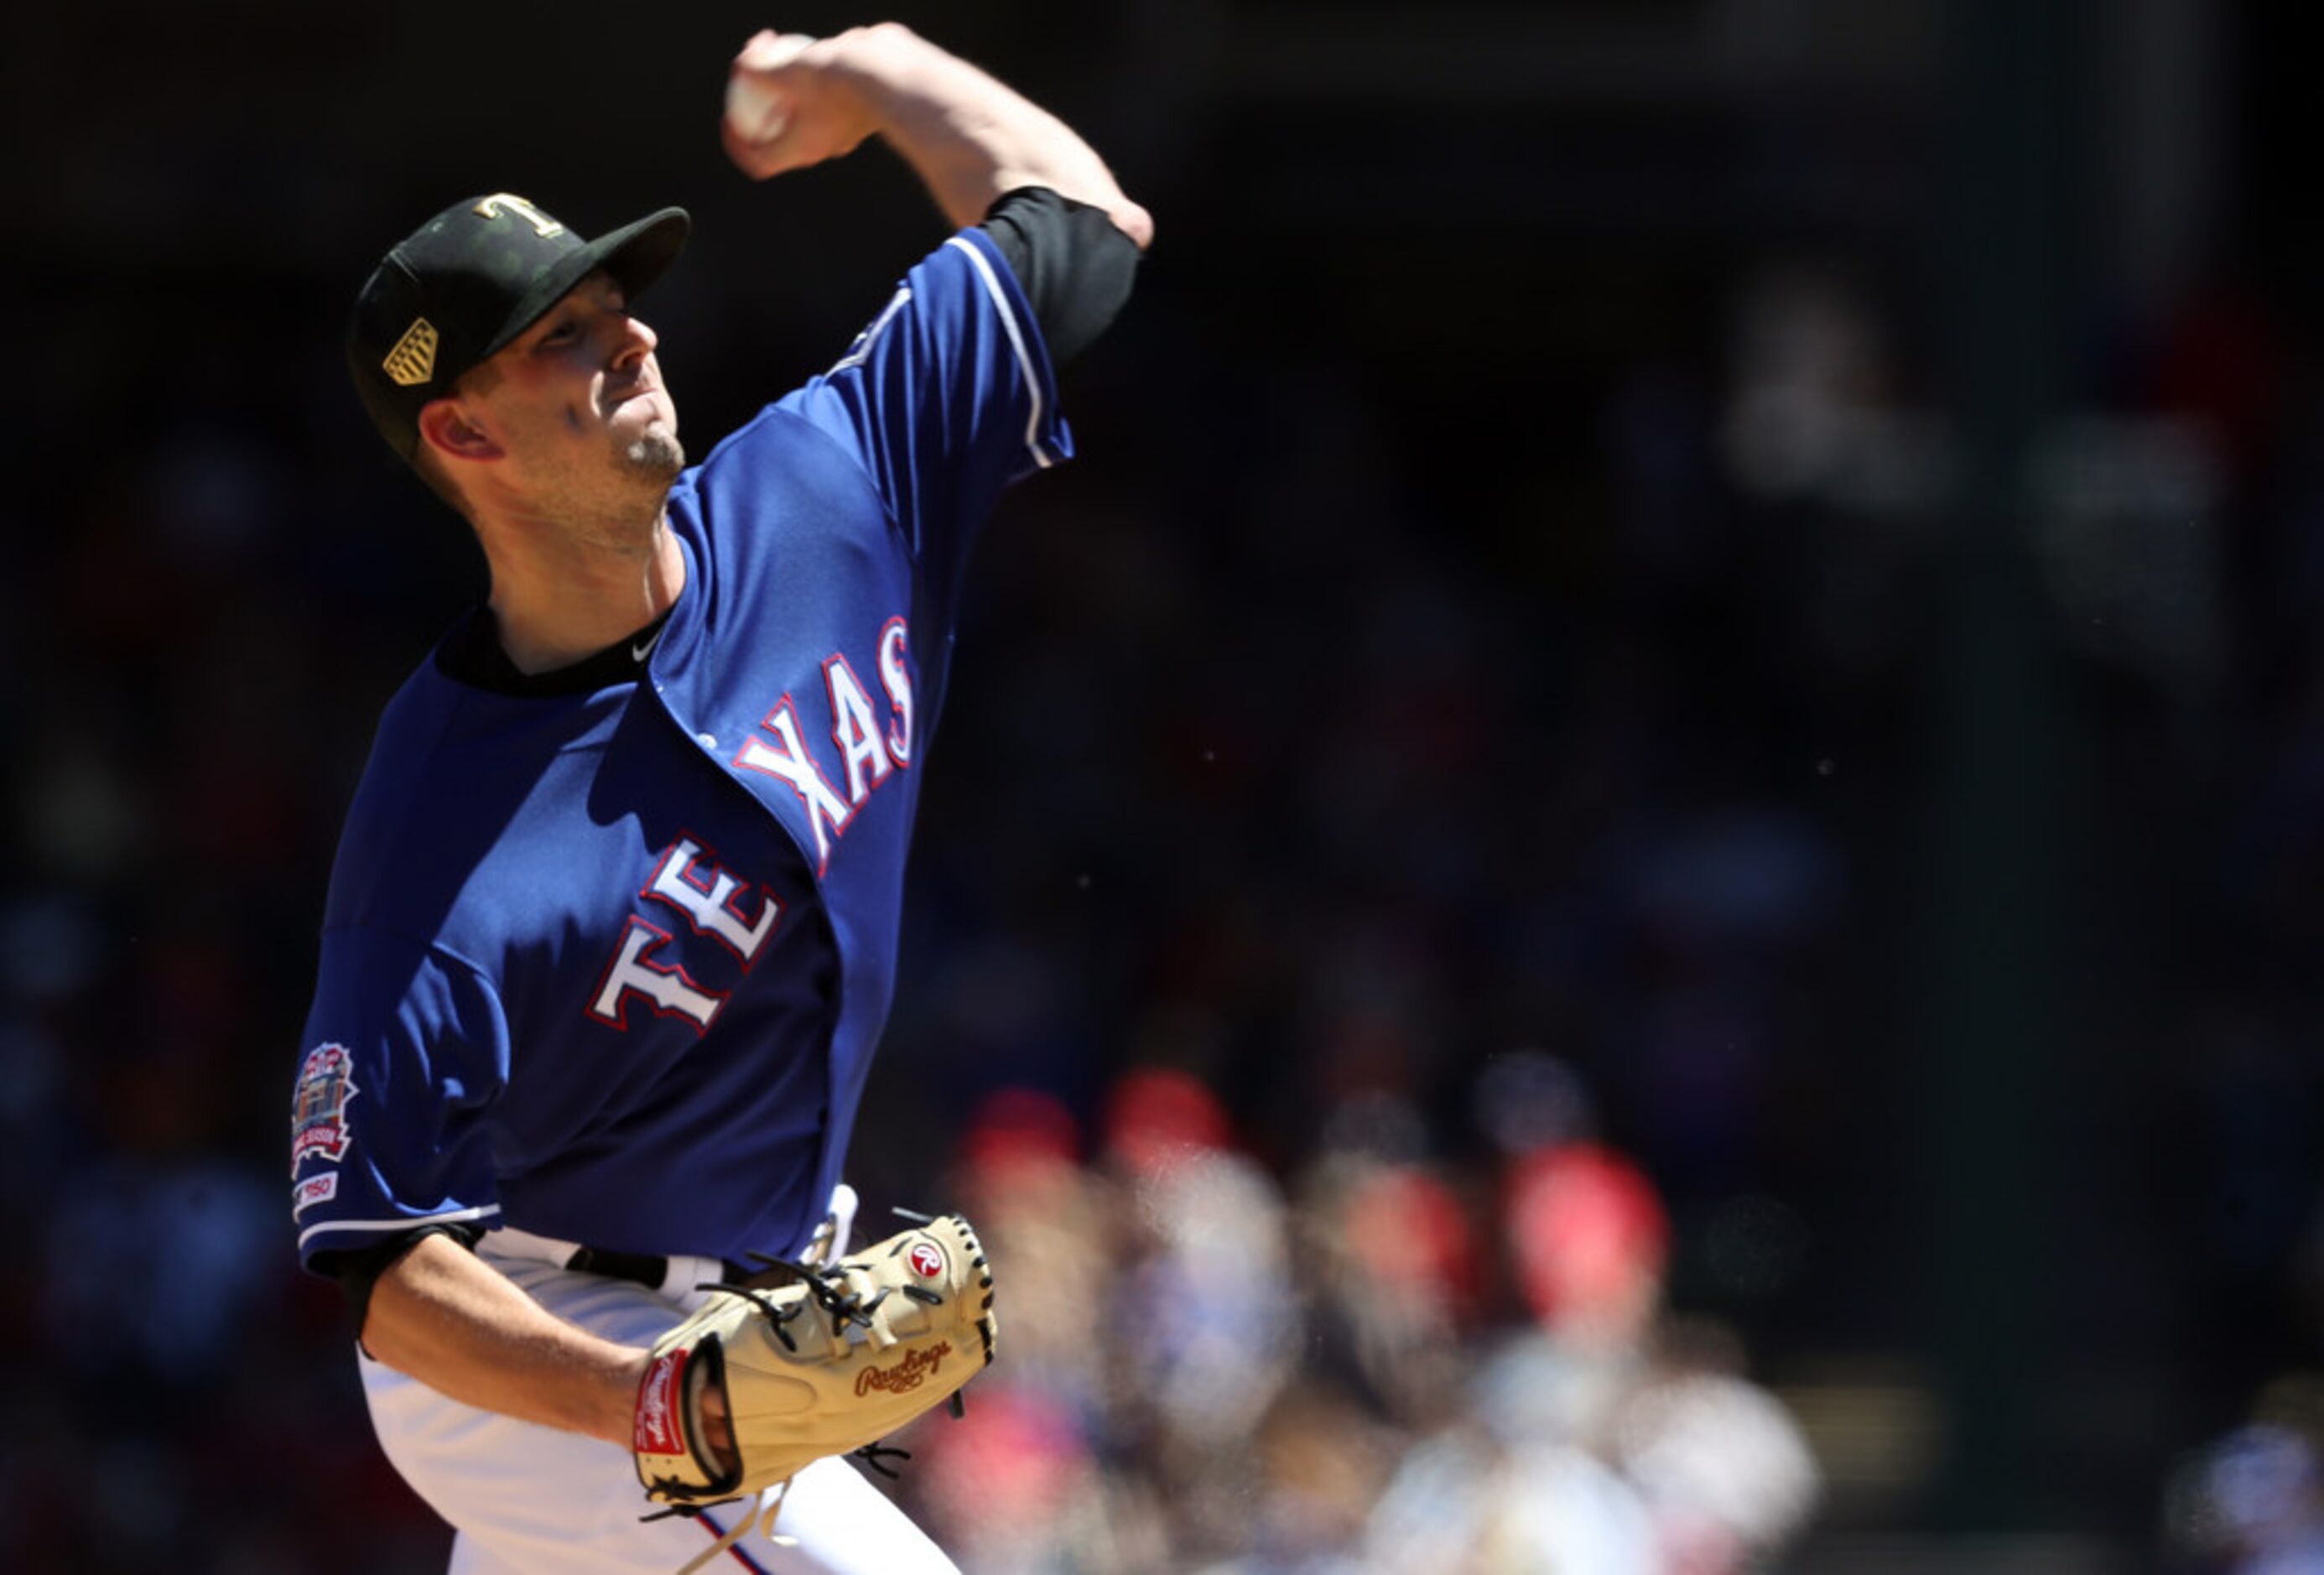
[{"x": 841, "y": 1358}]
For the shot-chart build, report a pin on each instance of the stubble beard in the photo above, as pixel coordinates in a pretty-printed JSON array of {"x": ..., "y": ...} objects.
[
  {"x": 622, "y": 509},
  {"x": 652, "y": 458}
]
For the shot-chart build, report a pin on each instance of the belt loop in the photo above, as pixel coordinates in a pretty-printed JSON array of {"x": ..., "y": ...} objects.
[
  {"x": 686, "y": 1274},
  {"x": 842, "y": 1219},
  {"x": 829, "y": 1242}
]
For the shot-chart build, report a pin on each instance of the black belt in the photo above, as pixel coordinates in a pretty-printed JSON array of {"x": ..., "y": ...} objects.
[{"x": 646, "y": 1268}]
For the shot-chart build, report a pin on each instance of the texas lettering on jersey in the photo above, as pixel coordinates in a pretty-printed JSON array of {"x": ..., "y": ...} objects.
[
  {"x": 727, "y": 908},
  {"x": 867, "y": 751}
]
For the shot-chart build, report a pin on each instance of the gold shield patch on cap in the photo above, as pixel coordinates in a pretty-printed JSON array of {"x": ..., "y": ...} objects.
[{"x": 412, "y": 362}]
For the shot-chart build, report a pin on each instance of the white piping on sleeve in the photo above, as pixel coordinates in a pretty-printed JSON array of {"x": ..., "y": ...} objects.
[
  {"x": 860, "y": 351},
  {"x": 409, "y": 1222},
  {"x": 1015, "y": 342}
]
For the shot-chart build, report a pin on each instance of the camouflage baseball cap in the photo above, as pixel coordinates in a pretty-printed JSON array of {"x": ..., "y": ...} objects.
[{"x": 469, "y": 280}]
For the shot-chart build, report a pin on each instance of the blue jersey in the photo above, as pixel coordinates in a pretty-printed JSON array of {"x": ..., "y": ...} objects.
[{"x": 610, "y": 966}]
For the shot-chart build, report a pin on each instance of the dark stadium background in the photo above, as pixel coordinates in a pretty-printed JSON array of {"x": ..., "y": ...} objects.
[{"x": 1768, "y": 551}]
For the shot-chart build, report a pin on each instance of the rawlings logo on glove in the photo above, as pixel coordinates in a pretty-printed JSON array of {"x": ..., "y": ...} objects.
[
  {"x": 832, "y": 1363},
  {"x": 906, "y": 1374}
]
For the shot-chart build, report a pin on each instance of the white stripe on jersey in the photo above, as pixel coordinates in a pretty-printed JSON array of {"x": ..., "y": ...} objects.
[
  {"x": 1015, "y": 342},
  {"x": 860, "y": 351},
  {"x": 409, "y": 1222}
]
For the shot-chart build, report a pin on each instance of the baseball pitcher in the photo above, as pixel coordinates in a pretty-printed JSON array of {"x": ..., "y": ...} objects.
[{"x": 612, "y": 930}]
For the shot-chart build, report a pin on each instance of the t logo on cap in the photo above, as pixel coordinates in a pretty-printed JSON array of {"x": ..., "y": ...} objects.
[{"x": 542, "y": 224}]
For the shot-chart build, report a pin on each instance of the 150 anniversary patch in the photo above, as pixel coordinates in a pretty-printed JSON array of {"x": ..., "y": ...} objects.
[{"x": 319, "y": 1111}]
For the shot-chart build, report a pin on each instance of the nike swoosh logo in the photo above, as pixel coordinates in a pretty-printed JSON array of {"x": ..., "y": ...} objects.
[{"x": 639, "y": 653}]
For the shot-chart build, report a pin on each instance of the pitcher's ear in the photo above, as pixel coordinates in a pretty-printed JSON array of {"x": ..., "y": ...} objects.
[{"x": 453, "y": 434}]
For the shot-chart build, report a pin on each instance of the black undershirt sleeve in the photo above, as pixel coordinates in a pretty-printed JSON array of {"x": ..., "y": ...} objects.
[
  {"x": 1074, "y": 265},
  {"x": 359, "y": 1271}
]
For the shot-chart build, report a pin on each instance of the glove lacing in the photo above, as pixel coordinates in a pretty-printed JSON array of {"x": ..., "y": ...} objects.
[
  {"x": 827, "y": 1287},
  {"x": 761, "y": 1513}
]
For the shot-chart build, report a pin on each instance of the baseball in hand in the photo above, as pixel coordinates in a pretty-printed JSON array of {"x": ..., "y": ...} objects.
[{"x": 757, "y": 112}]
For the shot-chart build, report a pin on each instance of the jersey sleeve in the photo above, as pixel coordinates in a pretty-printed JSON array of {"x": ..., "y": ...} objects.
[
  {"x": 945, "y": 398},
  {"x": 406, "y": 1047}
]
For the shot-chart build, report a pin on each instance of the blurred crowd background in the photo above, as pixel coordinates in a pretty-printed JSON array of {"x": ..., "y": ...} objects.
[{"x": 1630, "y": 879}]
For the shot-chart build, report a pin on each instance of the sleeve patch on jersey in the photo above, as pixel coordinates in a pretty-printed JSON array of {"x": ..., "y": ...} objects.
[
  {"x": 319, "y": 1111},
  {"x": 314, "y": 1190}
]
